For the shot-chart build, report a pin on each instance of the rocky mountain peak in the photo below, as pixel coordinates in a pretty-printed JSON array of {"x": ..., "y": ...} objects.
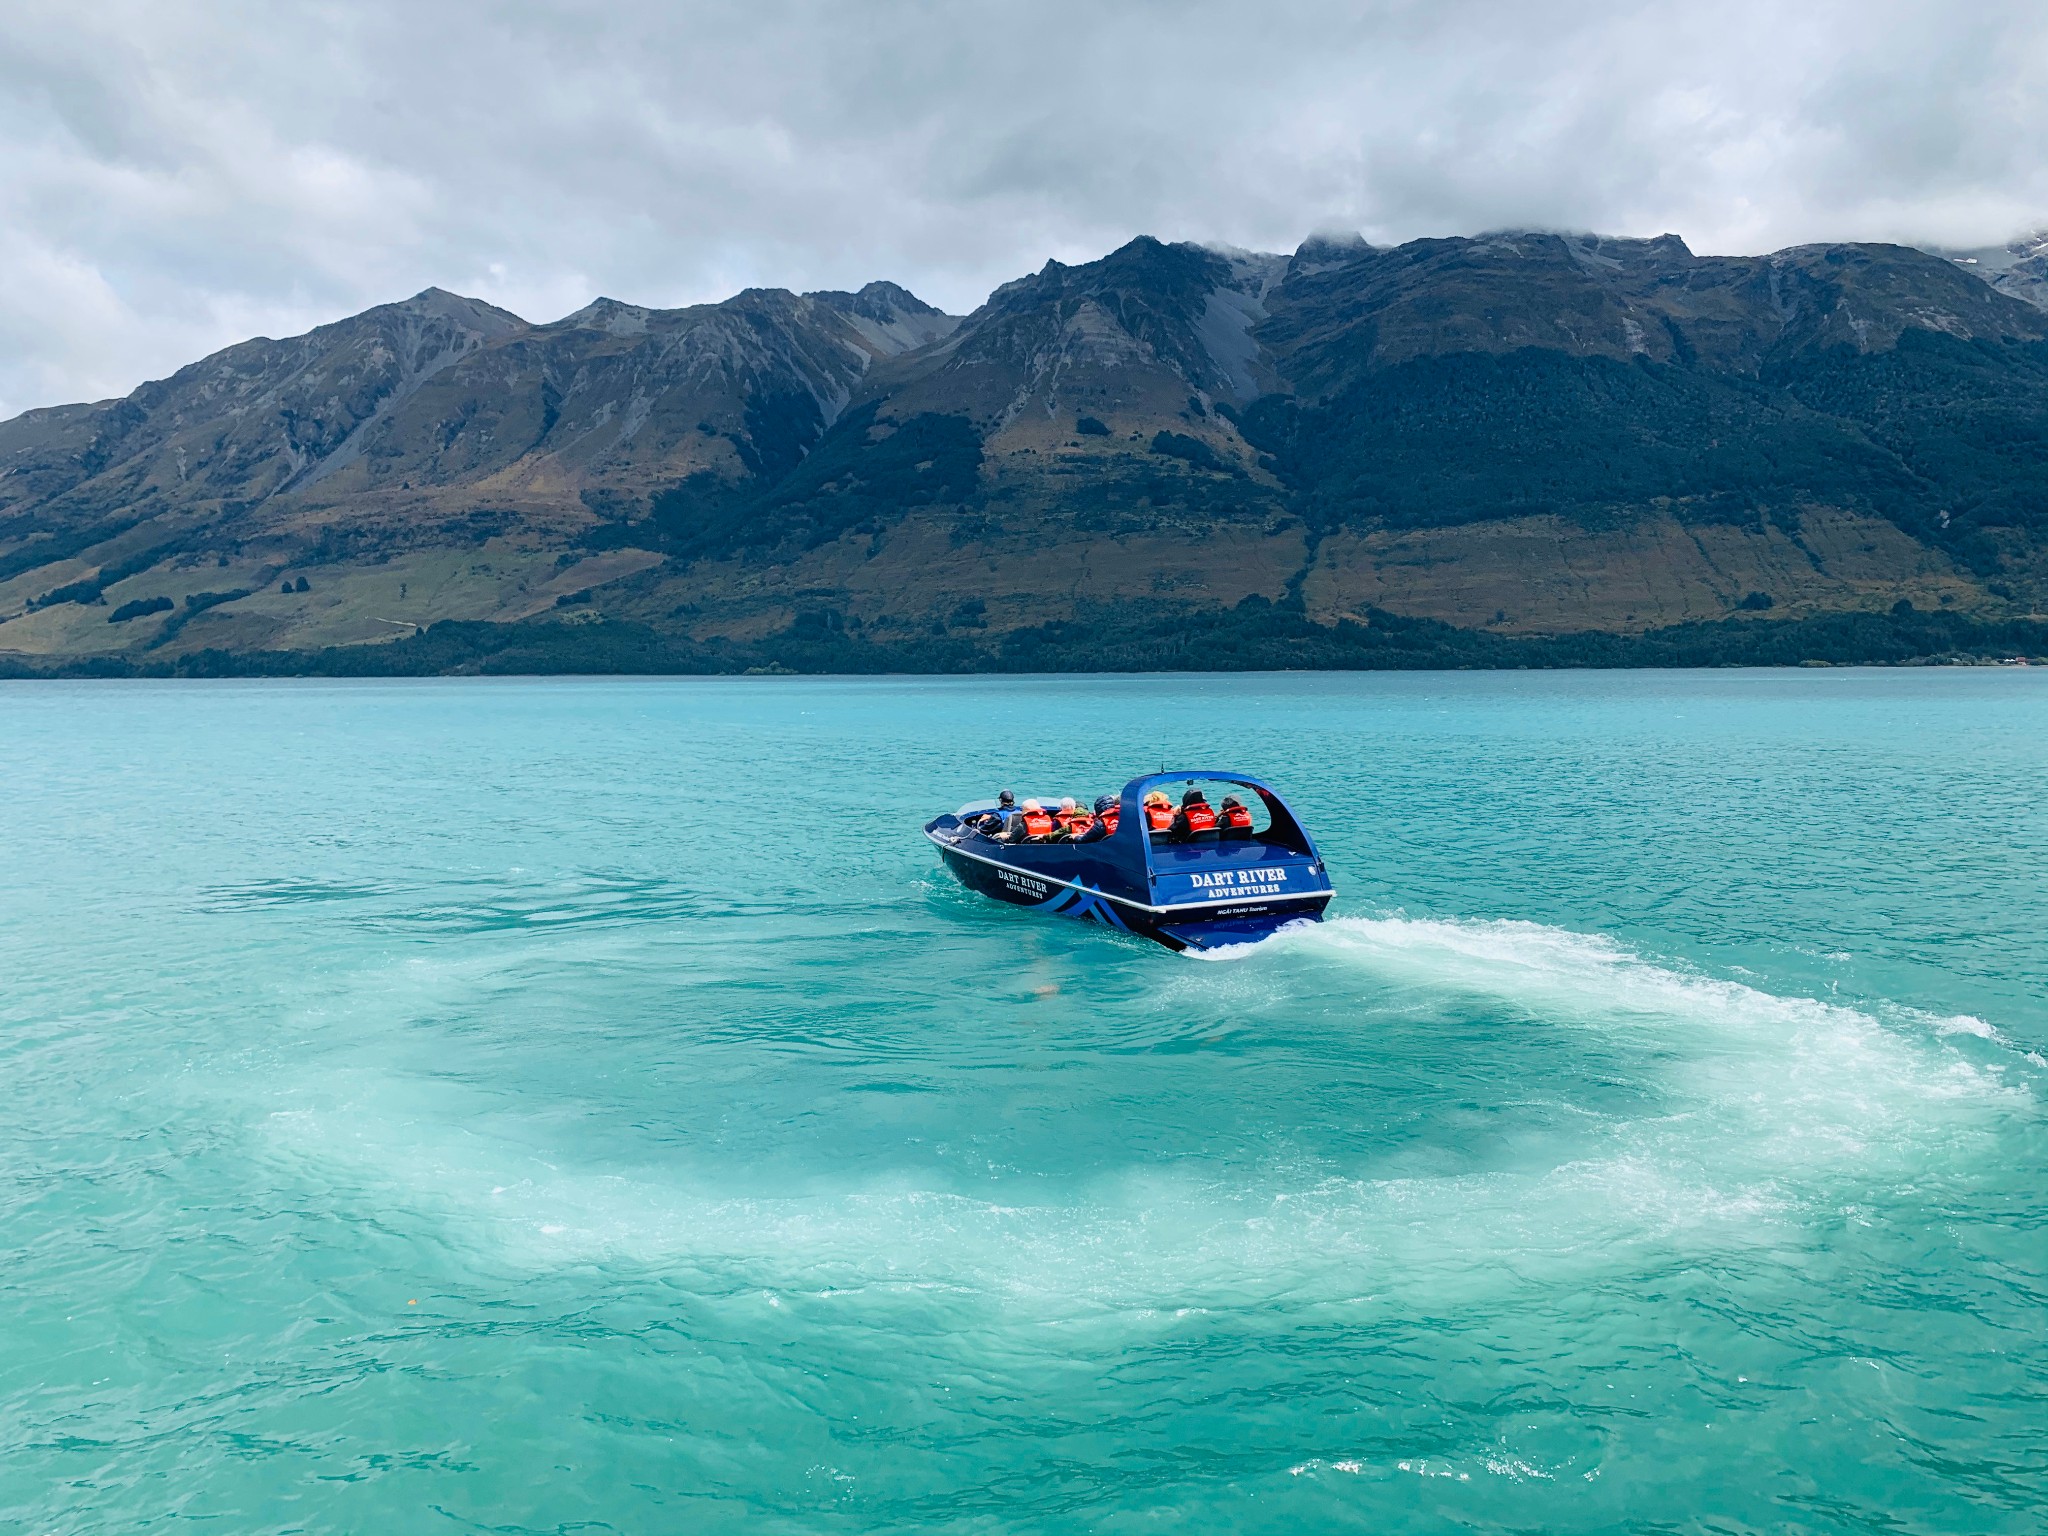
[
  {"x": 889, "y": 318},
  {"x": 607, "y": 315},
  {"x": 431, "y": 307},
  {"x": 880, "y": 300},
  {"x": 1327, "y": 249},
  {"x": 2026, "y": 277}
]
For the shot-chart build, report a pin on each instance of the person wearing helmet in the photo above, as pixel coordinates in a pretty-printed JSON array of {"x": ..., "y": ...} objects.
[
  {"x": 1106, "y": 812},
  {"x": 1196, "y": 822}
]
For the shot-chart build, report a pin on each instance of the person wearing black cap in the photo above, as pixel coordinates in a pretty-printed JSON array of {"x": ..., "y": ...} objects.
[
  {"x": 1106, "y": 808},
  {"x": 1196, "y": 821},
  {"x": 1234, "y": 819},
  {"x": 991, "y": 823}
]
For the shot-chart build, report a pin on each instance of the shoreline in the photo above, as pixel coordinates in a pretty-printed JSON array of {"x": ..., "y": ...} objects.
[{"x": 1255, "y": 636}]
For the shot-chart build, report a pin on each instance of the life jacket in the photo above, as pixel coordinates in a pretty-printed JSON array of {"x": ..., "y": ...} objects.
[
  {"x": 1159, "y": 818},
  {"x": 1037, "y": 823},
  {"x": 1237, "y": 818},
  {"x": 1201, "y": 817},
  {"x": 1077, "y": 823},
  {"x": 1109, "y": 819}
]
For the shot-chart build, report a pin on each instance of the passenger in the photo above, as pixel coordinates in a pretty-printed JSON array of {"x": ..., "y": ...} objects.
[
  {"x": 1072, "y": 819},
  {"x": 1033, "y": 824},
  {"x": 989, "y": 823},
  {"x": 1158, "y": 812},
  {"x": 1235, "y": 819},
  {"x": 1107, "y": 811},
  {"x": 1196, "y": 821}
]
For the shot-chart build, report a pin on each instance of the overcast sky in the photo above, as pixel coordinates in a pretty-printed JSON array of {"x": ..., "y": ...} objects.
[{"x": 179, "y": 174}]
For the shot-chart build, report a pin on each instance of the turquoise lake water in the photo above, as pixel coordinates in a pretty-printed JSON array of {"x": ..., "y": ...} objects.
[{"x": 586, "y": 1105}]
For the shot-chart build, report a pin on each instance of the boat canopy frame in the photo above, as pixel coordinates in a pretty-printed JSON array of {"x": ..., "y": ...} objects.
[{"x": 1286, "y": 828}]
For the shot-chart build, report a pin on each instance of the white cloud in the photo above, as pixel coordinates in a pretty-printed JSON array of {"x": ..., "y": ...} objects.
[{"x": 176, "y": 174}]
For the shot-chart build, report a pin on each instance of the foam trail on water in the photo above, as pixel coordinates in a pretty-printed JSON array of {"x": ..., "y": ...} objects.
[
  {"x": 1769, "y": 1104},
  {"x": 1576, "y": 978},
  {"x": 1149, "y": 1241},
  {"x": 1761, "y": 1101},
  {"x": 1801, "y": 1083}
]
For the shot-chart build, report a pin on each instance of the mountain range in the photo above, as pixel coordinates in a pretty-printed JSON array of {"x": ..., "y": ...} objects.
[{"x": 1177, "y": 455}]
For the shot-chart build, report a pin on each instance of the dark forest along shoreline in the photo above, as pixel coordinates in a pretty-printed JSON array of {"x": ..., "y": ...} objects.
[{"x": 1254, "y": 636}]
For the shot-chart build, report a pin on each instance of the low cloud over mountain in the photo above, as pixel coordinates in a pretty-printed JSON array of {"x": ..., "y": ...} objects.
[{"x": 180, "y": 175}]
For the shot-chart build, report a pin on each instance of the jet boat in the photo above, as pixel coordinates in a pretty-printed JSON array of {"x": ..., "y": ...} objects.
[{"x": 1213, "y": 890}]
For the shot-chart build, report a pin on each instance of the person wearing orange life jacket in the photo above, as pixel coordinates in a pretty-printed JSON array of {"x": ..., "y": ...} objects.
[
  {"x": 1107, "y": 812},
  {"x": 1234, "y": 819},
  {"x": 1073, "y": 821},
  {"x": 1196, "y": 821},
  {"x": 1033, "y": 824},
  {"x": 1158, "y": 812}
]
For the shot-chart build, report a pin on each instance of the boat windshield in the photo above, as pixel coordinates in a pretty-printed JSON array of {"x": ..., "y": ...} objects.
[
  {"x": 1200, "y": 809},
  {"x": 1237, "y": 812}
]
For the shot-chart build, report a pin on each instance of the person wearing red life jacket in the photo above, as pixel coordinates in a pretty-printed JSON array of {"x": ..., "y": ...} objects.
[
  {"x": 1196, "y": 821},
  {"x": 1033, "y": 824},
  {"x": 1234, "y": 819},
  {"x": 1071, "y": 818},
  {"x": 1158, "y": 812},
  {"x": 1107, "y": 812}
]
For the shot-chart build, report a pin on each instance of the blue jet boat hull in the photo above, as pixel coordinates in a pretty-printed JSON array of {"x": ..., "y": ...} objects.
[{"x": 1237, "y": 923}]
